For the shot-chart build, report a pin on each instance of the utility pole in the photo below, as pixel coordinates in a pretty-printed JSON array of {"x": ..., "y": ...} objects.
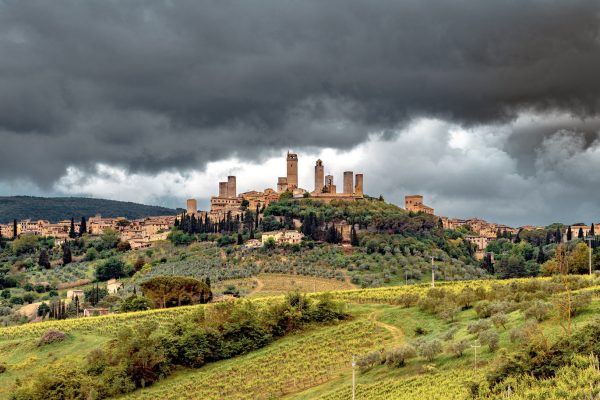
[
  {"x": 353, "y": 378},
  {"x": 475, "y": 346},
  {"x": 432, "y": 273}
]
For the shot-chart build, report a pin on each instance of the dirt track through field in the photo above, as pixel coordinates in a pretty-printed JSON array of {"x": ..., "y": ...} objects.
[
  {"x": 394, "y": 330},
  {"x": 259, "y": 286}
]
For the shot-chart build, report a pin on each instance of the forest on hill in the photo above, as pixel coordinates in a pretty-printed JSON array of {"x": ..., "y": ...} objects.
[{"x": 59, "y": 208}]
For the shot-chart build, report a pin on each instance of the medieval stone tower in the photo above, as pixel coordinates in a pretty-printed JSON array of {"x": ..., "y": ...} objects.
[
  {"x": 358, "y": 186},
  {"x": 292, "y": 171},
  {"x": 319, "y": 176},
  {"x": 231, "y": 187},
  {"x": 348, "y": 184}
]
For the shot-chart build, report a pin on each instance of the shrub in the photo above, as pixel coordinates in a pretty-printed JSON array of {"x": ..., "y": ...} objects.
[
  {"x": 419, "y": 331},
  {"x": 52, "y": 336},
  {"x": 368, "y": 361},
  {"x": 135, "y": 303},
  {"x": 490, "y": 338},
  {"x": 539, "y": 310},
  {"x": 2, "y": 368},
  {"x": 483, "y": 309},
  {"x": 449, "y": 335},
  {"x": 478, "y": 326},
  {"x": 429, "y": 350},
  {"x": 457, "y": 349},
  {"x": 499, "y": 320},
  {"x": 397, "y": 357},
  {"x": 408, "y": 300},
  {"x": 113, "y": 268}
]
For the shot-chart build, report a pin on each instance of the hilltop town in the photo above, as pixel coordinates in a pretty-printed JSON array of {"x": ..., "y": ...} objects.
[{"x": 228, "y": 203}]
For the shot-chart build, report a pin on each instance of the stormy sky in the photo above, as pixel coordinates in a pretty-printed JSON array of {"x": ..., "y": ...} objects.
[{"x": 489, "y": 109}]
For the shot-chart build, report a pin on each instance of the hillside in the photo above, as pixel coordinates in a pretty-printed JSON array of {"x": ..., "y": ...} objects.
[
  {"x": 314, "y": 363},
  {"x": 59, "y": 208}
]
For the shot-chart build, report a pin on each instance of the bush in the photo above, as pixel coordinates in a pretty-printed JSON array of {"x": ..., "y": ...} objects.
[
  {"x": 113, "y": 268},
  {"x": 368, "y": 361},
  {"x": 539, "y": 310},
  {"x": 135, "y": 303},
  {"x": 419, "y": 331},
  {"x": 408, "y": 300},
  {"x": 51, "y": 336},
  {"x": 499, "y": 320},
  {"x": 2, "y": 368},
  {"x": 397, "y": 357},
  {"x": 91, "y": 254},
  {"x": 483, "y": 309},
  {"x": 430, "y": 350},
  {"x": 490, "y": 338},
  {"x": 457, "y": 349},
  {"x": 478, "y": 326}
]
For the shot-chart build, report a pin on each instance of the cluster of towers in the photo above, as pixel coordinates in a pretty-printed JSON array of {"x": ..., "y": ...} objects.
[
  {"x": 229, "y": 201},
  {"x": 353, "y": 185},
  {"x": 324, "y": 184},
  {"x": 228, "y": 188}
]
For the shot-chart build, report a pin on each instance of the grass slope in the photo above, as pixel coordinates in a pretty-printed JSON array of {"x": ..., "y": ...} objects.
[
  {"x": 312, "y": 364},
  {"x": 59, "y": 208}
]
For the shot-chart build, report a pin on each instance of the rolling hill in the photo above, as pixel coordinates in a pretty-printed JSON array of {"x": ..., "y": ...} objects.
[{"x": 59, "y": 208}]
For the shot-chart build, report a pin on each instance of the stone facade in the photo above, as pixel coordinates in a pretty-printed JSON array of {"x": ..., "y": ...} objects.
[
  {"x": 192, "y": 207},
  {"x": 292, "y": 171},
  {"x": 283, "y": 237},
  {"x": 358, "y": 185},
  {"x": 414, "y": 203},
  {"x": 319, "y": 177},
  {"x": 348, "y": 182}
]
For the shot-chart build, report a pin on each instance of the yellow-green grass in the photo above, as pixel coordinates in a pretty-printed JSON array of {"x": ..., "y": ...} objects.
[
  {"x": 312, "y": 364},
  {"x": 289, "y": 365}
]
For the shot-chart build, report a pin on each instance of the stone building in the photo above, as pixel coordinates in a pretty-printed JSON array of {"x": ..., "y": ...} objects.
[
  {"x": 283, "y": 237},
  {"x": 113, "y": 286},
  {"x": 414, "y": 203}
]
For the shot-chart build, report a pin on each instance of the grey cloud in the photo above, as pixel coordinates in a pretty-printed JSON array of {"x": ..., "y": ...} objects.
[{"x": 155, "y": 85}]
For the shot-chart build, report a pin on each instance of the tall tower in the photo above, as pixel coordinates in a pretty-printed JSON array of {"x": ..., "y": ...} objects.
[
  {"x": 292, "y": 171},
  {"x": 358, "y": 186},
  {"x": 348, "y": 184},
  {"x": 192, "y": 206},
  {"x": 231, "y": 187},
  {"x": 223, "y": 189},
  {"x": 319, "y": 176}
]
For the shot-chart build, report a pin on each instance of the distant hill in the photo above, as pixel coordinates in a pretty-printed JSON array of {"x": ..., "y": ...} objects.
[{"x": 59, "y": 208}]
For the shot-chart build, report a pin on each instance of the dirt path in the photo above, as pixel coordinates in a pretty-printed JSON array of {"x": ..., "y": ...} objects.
[
  {"x": 259, "y": 286},
  {"x": 394, "y": 330}
]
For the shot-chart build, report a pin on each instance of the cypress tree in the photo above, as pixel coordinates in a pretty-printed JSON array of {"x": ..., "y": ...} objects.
[
  {"x": 43, "y": 260},
  {"x": 558, "y": 235},
  {"x": 257, "y": 214},
  {"x": 569, "y": 234},
  {"x": 83, "y": 226},
  {"x": 353, "y": 237},
  {"x": 15, "y": 230},
  {"x": 541, "y": 258},
  {"x": 580, "y": 233},
  {"x": 240, "y": 239},
  {"x": 72, "y": 234},
  {"x": 67, "y": 257},
  {"x": 592, "y": 230}
]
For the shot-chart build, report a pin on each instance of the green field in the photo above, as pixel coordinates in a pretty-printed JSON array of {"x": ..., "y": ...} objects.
[{"x": 315, "y": 362}]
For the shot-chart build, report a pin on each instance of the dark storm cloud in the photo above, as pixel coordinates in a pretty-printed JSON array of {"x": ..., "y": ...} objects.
[{"x": 154, "y": 85}]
